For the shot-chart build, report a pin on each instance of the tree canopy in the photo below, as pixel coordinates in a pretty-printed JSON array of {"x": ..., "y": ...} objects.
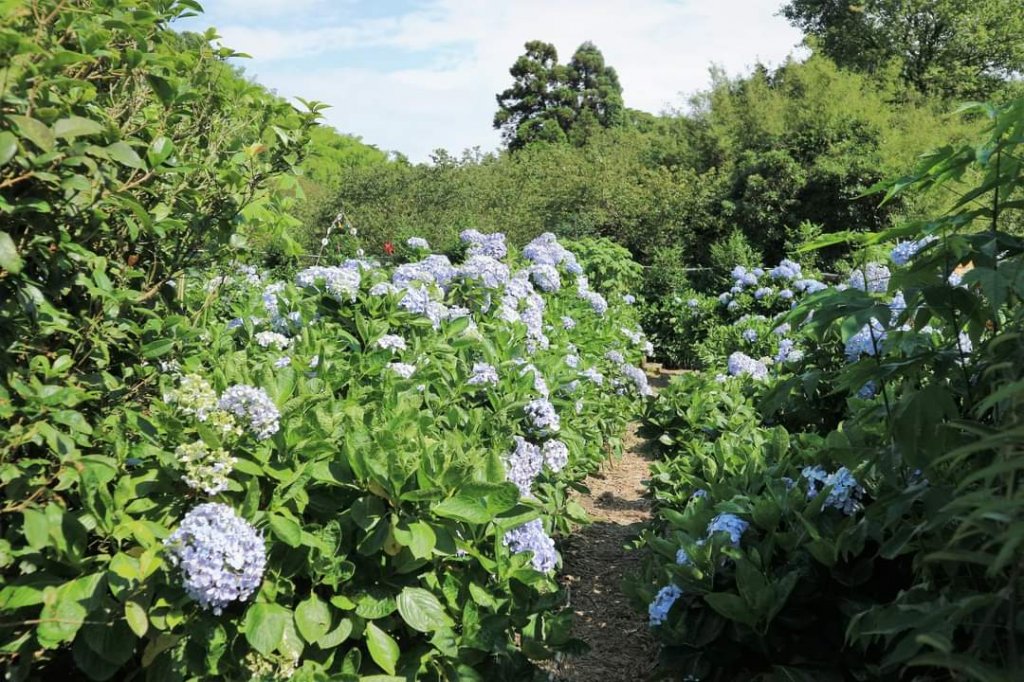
[
  {"x": 954, "y": 48},
  {"x": 554, "y": 102}
]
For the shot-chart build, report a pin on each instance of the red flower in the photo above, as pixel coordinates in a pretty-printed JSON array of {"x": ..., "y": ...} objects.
[{"x": 389, "y": 248}]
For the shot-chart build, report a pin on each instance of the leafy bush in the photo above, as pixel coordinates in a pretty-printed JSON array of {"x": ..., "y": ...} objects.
[
  {"x": 869, "y": 536},
  {"x": 354, "y": 473}
]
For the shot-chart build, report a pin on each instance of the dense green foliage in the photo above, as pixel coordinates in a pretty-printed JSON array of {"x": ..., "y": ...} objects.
[
  {"x": 870, "y": 467},
  {"x": 956, "y": 48},
  {"x": 773, "y": 154},
  {"x": 552, "y": 102}
]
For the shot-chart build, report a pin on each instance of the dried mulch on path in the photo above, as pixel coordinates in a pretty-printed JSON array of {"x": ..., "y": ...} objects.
[{"x": 596, "y": 562}]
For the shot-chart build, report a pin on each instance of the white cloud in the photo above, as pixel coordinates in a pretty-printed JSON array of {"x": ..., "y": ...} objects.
[{"x": 660, "y": 48}]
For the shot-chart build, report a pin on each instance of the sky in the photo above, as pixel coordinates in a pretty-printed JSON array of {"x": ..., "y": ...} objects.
[{"x": 416, "y": 75}]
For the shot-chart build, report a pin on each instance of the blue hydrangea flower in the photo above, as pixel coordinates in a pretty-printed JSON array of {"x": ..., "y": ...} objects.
[
  {"x": 391, "y": 342},
  {"x": 541, "y": 415},
  {"x": 253, "y": 405},
  {"x": 873, "y": 278},
  {"x": 786, "y": 269},
  {"x": 490, "y": 272},
  {"x": 530, "y": 537},
  {"x": 483, "y": 373},
  {"x": 341, "y": 283},
  {"x": 615, "y": 356},
  {"x": 763, "y": 292},
  {"x": 867, "y": 341},
  {"x": 741, "y": 364},
  {"x": 568, "y": 323},
  {"x": 417, "y": 243},
  {"x": 478, "y": 244},
  {"x": 556, "y": 454},
  {"x": 628, "y": 299},
  {"x": 731, "y": 524},
  {"x": 523, "y": 464},
  {"x": 750, "y": 335},
  {"x": 221, "y": 556},
  {"x": 402, "y": 369},
  {"x": 546, "y": 277},
  {"x": 663, "y": 601},
  {"x": 639, "y": 379},
  {"x": 845, "y": 493},
  {"x": 903, "y": 252},
  {"x": 593, "y": 376},
  {"x": 809, "y": 286}
]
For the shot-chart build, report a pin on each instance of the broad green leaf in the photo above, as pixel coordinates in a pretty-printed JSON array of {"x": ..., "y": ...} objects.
[
  {"x": 160, "y": 149},
  {"x": 313, "y": 618},
  {"x": 155, "y": 349},
  {"x": 8, "y": 146},
  {"x": 383, "y": 648},
  {"x": 135, "y": 614},
  {"x": 470, "y": 510},
  {"x": 35, "y": 131},
  {"x": 36, "y": 528},
  {"x": 288, "y": 531},
  {"x": 125, "y": 155},
  {"x": 264, "y": 626},
  {"x": 422, "y": 611},
  {"x": 731, "y": 606},
  {"x": 76, "y": 126},
  {"x": 9, "y": 258}
]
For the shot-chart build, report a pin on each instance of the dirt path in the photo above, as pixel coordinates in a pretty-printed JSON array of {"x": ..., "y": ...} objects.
[{"x": 596, "y": 562}]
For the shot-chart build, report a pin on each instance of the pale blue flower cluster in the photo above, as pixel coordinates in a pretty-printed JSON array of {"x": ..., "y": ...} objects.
[
  {"x": 741, "y": 364},
  {"x": 693, "y": 303},
  {"x": 546, "y": 277},
  {"x": 419, "y": 301},
  {"x": 763, "y": 293},
  {"x": 433, "y": 269},
  {"x": 568, "y": 323},
  {"x": 867, "y": 341},
  {"x": 253, "y": 405},
  {"x": 530, "y": 537},
  {"x": 638, "y": 377},
  {"x": 545, "y": 250},
  {"x": 282, "y": 362},
  {"x": 667, "y": 596},
  {"x": 872, "y": 278},
  {"x": 478, "y": 244},
  {"x": 539, "y": 384},
  {"x": 523, "y": 464},
  {"x": 572, "y": 361},
  {"x": 628, "y": 299},
  {"x": 788, "y": 353},
  {"x": 845, "y": 493},
  {"x": 268, "y": 339},
  {"x": 489, "y": 272},
  {"x": 595, "y": 300},
  {"x": 402, "y": 369},
  {"x": 556, "y": 454},
  {"x": 417, "y": 243},
  {"x": 868, "y": 390},
  {"x": 221, "y": 556},
  {"x": 809, "y": 286},
  {"x": 483, "y": 373},
  {"x": 904, "y": 252},
  {"x": 615, "y": 356},
  {"x": 782, "y": 329},
  {"x": 593, "y": 376},
  {"x": 731, "y": 524},
  {"x": 786, "y": 294},
  {"x": 391, "y": 342},
  {"x": 341, "y": 283},
  {"x": 786, "y": 269},
  {"x": 750, "y": 335},
  {"x": 541, "y": 415}
]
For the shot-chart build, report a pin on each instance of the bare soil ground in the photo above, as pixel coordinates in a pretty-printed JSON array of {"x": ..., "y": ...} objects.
[{"x": 596, "y": 562}]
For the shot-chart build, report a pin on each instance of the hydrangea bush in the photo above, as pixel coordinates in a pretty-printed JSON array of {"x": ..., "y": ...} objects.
[
  {"x": 863, "y": 477},
  {"x": 350, "y": 471}
]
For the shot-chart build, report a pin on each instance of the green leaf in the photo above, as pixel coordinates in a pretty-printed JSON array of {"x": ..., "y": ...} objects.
[
  {"x": 731, "y": 606},
  {"x": 36, "y": 528},
  {"x": 288, "y": 531},
  {"x": 336, "y": 636},
  {"x": 8, "y": 147},
  {"x": 313, "y": 619},
  {"x": 160, "y": 149},
  {"x": 422, "y": 611},
  {"x": 76, "y": 126},
  {"x": 136, "y": 617},
  {"x": 264, "y": 626},
  {"x": 383, "y": 648},
  {"x": 470, "y": 510},
  {"x": 125, "y": 155},
  {"x": 155, "y": 349},
  {"x": 36, "y": 132},
  {"x": 9, "y": 258}
]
